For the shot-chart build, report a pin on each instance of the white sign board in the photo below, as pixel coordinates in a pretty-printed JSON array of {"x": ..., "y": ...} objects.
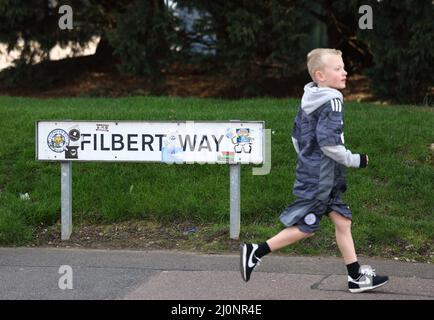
[{"x": 140, "y": 141}]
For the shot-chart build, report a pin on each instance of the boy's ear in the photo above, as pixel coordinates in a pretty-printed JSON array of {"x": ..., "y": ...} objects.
[{"x": 319, "y": 76}]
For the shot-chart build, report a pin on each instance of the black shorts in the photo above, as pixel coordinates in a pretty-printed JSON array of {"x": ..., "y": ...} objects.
[{"x": 307, "y": 213}]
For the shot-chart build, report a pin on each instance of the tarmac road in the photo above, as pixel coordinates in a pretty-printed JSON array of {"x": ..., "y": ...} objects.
[{"x": 33, "y": 273}]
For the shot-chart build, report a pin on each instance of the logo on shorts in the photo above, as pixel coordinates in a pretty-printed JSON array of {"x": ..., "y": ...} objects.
[
  {"x": 58, "y": 140},
  {"x": 310, "y": 219}
]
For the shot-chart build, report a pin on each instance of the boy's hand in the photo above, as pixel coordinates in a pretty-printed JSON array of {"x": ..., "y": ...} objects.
[{"x": 364, "y": 159}]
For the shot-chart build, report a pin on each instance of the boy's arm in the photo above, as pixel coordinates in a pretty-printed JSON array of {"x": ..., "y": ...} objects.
[
  {"x": 329, "y": 132},
  {"x": 296, "y": 132},
  {"x": 344, "y": 156}
]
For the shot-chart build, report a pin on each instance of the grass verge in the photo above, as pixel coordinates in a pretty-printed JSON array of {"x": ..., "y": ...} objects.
[{"x": 392, "y": 200}]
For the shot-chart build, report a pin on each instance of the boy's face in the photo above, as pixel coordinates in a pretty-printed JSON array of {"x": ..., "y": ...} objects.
[{"x": 333, "y": 74}]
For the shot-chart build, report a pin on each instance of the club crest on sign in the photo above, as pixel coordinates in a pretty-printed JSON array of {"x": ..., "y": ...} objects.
[{"x": 58, "y": 140}]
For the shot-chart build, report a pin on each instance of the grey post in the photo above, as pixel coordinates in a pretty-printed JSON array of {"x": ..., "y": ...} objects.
[
  {"x": 235, "y": 193},
  {"x": 235, "y": 196},
  {"x": 66, "y": 199}
]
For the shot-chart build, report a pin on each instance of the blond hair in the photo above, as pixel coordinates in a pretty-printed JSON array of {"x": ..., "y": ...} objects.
[{"x": 315, "y": 59}]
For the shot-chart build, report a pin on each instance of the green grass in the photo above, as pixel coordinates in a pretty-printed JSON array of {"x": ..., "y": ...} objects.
[{"x": 392, "y": 200}]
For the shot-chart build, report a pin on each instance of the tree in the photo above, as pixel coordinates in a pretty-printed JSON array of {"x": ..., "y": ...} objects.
[
  {"x": 254, "y": 39},
  {"x": 139, "y": 33},
  {"x": 32, "y": 26},
  {"x": 250, "y": 40},
  {"x": 145, "y": 40},
  {"x": 341, "y": 21},
  {"x": 401, "y": 44}
]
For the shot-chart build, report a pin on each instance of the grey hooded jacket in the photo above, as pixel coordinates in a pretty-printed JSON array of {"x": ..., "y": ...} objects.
[{"x": 318, "y": 139}]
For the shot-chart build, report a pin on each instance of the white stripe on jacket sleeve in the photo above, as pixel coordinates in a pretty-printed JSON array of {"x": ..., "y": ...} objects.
[{"x": 295, "y": 143}]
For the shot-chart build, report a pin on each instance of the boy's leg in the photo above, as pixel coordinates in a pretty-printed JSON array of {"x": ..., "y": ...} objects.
[
  {"x": 362, "y": 278},
  {"x": 286, "y": 237},
  {"x": 344, "y": 237},
  {"x": 302, "y": 216},
  {"x": 251, "y": 253}
]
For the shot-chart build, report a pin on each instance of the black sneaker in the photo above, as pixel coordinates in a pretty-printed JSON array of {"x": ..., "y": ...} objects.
[
  {"x": 367, "y": 280},
  {"x": 248, "y": 260}
]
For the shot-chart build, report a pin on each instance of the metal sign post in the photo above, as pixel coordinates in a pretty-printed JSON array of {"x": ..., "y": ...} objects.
[
  {"x": 66, "y": 199},
  {"x": 235, "y": 197}
]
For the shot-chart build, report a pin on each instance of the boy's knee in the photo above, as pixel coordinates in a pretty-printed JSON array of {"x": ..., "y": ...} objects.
[
  {"x": 306, "y": 231},
  {"x": 347, "y": 222},
  {"x": 343, "y": 224}
]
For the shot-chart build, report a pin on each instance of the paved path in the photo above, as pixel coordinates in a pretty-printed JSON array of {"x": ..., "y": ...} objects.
[{"x": 33, "y": 273}]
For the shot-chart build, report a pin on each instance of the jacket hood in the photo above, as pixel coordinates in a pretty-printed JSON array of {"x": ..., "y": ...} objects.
[{"x": 314, "y": 97}]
